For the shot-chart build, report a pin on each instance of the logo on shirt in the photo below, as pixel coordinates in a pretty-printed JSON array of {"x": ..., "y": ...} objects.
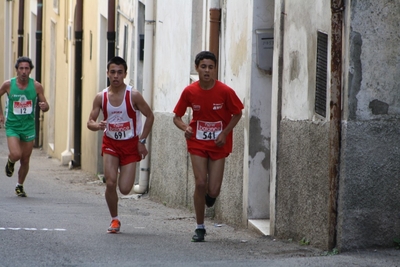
[
  {"x": 196, "y": 107},
  {"x": 217, "y": 106}
]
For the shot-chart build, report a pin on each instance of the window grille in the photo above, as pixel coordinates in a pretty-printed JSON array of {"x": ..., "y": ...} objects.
[{"x": 321, "y": 74}]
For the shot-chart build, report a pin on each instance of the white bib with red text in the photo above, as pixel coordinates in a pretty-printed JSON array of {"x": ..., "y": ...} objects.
[{"x": 208, "y": 130}]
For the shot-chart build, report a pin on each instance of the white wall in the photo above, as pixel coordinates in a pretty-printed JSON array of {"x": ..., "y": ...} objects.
[
  {"x": 172, "y": 52},
  {"x": 300, "y": 45}
]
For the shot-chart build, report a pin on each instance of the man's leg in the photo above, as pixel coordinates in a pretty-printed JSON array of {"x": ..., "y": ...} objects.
[
  {"x": 215, "y": 177},
  {"x": 26, "y": 152},
  {"x": 127, "y": 178},
  {"x": 200, "y": 169},
  {"x": 199, "y": 165},
  {"x": 14, "y": 155},
  {"x": 111, "y": 164}
]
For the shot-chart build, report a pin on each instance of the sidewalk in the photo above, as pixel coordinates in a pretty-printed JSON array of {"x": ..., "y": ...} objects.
[{"x": 246, "y": 243}]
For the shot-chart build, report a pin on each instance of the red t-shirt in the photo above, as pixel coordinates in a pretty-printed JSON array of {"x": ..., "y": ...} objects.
[{"x": 212, "y": 112}]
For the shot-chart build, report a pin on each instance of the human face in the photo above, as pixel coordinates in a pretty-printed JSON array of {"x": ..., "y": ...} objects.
[
  {"x": 116, "y": 74},
  {"x": 206, "y": 69},
  {"x": 23, "y": 71}
]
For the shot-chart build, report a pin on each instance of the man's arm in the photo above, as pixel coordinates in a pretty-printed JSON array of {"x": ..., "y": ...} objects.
[
  {"x": 144, "y": 108},
  {"x": 221, "y": 139},
  {"x": 92, "y": 123},
  {"x": 43, "y": 105},
  {"x": 141, "y": 104},
  {"x": 5, "y": 88},
  {"x": 183, "y": 126}
]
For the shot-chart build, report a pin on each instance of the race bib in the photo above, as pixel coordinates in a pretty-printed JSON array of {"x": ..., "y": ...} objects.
[
  {"x": 208, "y": 130},
  {"x": 22, "y": 107},
  {"x": 120, "y": 130}
]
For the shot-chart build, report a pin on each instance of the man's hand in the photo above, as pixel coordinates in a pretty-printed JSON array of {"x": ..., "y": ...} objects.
[
  {"x": 43, "y": 106},
  {"x": 142, "y": 150},
  {"x": 188, "y": 132}
]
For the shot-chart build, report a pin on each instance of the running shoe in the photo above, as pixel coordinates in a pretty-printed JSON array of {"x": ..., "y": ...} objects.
[
  {"x": 114, "y": 226},
  {"x": 9, "y": 168},
  {"x": 199, "y": 235},
  {"x": 210, "y": 201},
  {"x": 19, "y": 191}
]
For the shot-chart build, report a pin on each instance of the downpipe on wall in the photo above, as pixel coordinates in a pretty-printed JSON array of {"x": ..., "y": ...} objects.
[
  {"x": 38, "y": 133},
  {"x": 78, "y": 85},
  {"x": 335, "y": 131},
  {"x": 111, "y": 34},
  {"x": 147, "y": 90},
  {"x": 21, "y": 28}
]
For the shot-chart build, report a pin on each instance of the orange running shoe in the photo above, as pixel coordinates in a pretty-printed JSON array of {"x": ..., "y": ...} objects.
[{"x": 114, "y": 227}]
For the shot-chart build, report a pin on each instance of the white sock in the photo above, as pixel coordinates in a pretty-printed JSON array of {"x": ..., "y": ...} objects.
[
  {"x": 115, "y": 218},
  {"x": 200, "y": 226}
]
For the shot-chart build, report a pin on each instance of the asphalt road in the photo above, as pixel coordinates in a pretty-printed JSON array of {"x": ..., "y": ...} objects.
[{"x": 64, "y": 219}]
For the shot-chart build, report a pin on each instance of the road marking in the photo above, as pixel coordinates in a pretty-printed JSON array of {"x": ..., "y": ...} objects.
[{"x": 32, "y": 229}]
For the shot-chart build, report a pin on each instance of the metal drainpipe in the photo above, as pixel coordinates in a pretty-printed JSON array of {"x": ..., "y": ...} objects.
[
  {"x": 215, "y": 22},
  {"x": 337, "y": 7},
  {"x": 78, "y": 84},
  {"x": 279, "y": 79},
  {"x": 111, "y": 32},
  {"x": 21, "y": 28},
  {"x": 38, "y": 68},
  {"x": 144, "y": 175}
]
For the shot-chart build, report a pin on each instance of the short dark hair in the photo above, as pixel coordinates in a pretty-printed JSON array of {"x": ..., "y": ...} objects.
[
  {"x": 117, "y": 61},
  {"x": 204, "y": 55},
  {"x": 24, "y": 59}
]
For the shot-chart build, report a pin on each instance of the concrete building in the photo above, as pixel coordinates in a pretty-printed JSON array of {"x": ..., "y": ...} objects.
[
  {"x": 335, "y": 137},
  {"x": 315, "y": 153}
]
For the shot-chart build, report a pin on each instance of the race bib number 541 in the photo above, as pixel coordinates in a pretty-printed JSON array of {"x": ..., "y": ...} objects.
[{"x": 208, "y": 130}]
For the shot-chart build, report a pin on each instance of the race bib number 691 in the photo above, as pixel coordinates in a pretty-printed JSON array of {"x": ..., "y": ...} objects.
[{"x": 120, "y": 130}]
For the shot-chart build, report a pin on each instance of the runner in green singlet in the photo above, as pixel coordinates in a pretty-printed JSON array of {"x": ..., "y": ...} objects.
[{"x": 19, "y": 118}]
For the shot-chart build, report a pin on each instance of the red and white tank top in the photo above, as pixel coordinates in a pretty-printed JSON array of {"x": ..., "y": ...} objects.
[{"x": 123, "y": 122}]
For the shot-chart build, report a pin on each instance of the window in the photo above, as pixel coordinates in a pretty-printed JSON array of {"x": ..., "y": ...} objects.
[
  {"x": 125, "y": 55},
  {"x": 55, "y": 5},
  {"x": 321, "y": 74}
]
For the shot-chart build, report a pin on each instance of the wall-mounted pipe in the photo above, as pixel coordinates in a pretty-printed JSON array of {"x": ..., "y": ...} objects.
[
  {"x": 279, "y": 35},
  {"x": 21, "y": 28},
  {"x": 147, "y": 90},
  {"x": 38, "y": 69},
  {"x": 335, "y": 131},
  {"x": 111, "y": 35},
  {"x": 78, "y": 84},
  {"x": 215, "y": 22},
  {"x": 8, "y": 18}
]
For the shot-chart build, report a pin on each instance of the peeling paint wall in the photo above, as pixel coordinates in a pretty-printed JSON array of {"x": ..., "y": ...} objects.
[
  {"x": 259, "y": 119},
  {"x": 369, "y": 182},
  {"x": 301, "y": 161},
  {"x": 369, "y": 199},
  {"x": 374, "y": 60}
]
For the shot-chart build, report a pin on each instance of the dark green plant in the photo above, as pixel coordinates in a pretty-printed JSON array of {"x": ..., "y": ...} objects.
[
  {"x": 304, "y": 242},
  {"x": 396, "y": 240},
  {"x": 334, "y": 251}
]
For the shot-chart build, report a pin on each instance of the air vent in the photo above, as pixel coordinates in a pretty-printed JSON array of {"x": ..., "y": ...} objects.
[{"x": 321, "y": 73}]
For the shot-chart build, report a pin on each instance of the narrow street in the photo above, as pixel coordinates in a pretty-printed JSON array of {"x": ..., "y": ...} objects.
[{"x": 64, "y": 219}]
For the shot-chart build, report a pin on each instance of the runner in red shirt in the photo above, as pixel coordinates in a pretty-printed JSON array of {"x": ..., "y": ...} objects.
[
  {"x": 216, "y": 111},
  {"x": 124, "y": 139}
]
